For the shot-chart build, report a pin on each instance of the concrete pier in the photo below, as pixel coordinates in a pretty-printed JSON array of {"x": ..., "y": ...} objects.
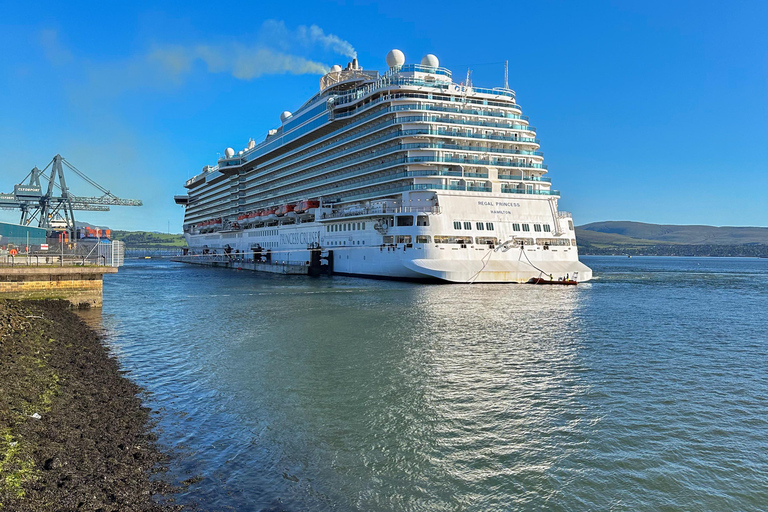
[
  {"x": 223, "y": 261},
  {"x": 80, "y": 285}
]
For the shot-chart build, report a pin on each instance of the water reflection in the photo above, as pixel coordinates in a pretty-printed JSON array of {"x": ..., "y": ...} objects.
[{"x": 343, "y": 394}]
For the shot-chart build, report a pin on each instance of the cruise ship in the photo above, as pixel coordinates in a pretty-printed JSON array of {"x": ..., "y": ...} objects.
[{"x": 404, "y": 175}]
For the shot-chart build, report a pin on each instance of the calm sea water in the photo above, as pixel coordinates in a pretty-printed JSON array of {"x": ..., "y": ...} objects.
[{"x": 646, "y": 389}]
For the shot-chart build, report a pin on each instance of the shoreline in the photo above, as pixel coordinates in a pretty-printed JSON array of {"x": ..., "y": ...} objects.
[{"x": 73, "y": 431}]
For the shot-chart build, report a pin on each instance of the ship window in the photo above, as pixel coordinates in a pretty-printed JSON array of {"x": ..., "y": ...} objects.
[
  {"x": 537, "y": 227},
  {"x": 453, "y": 239},
  {"x": 405, "y": 220},
  {"x": 422, "y": 239},
  {"x": 388, "y": 239},
  {"x": 467, "y": 225},
  {"x": 515, "y": 227},
  {"x": 479, "y": 226},
  {"x": 526, "y": 227},
  {"x": 457, "y": 225},
  {"x": 570, "y": 226},
  {"x": 547, "y": 228},
  {"x": 487, "y": 240},
  {"x": 489, "y": 226},
  {"x": 403, "y": 239},
  {"x": 422, "y": 220}
]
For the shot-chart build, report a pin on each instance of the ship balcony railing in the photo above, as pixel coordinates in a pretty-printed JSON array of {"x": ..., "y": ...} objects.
[
  {"x": 409, "y": 119},
  {"x": 389, "y": 136},
  {"x": 479, "y": 124},
  {"x": 482, "y": 136},
  {"x": 415, "y": 95},
  {"x": 284, "y": 194},
  {"x": 269, "y": 181},
  {"x": 524, "y": 178},
  {"x": 476, "y": 175},
  {"x": 530, "y": 191},
  {"x": 432, "y": 108},
  {"x": 564, "y": 215},
  {"x": 380, "y": 210},
  {"x": 389, "y": 163},
  {"x": 401, "y": 120},
  {"x": 475, "y": 149},
  {"x": 410, "y": 68},
  {"x": 389, "y": 80},
  {"x": 460, "y": 111}
]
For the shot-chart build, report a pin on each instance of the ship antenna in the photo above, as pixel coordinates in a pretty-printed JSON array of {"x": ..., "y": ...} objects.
[{"x": 506, "y": 74}]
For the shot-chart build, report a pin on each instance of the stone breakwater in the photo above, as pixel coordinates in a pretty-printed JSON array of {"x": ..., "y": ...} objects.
[{"x": 73, "y": 432}]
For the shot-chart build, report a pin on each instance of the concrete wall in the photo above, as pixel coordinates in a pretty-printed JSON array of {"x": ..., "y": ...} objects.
[{"x": 82, "y": 286}]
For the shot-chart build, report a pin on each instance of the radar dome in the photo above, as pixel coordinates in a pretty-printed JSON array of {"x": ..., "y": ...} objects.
[
  {"x": 285, "y": 115},
  {"x": 229, "y": 152},
  {"x": 430, "y": 60},
  {"x": 395, "y": 58},
  {"x": 335, "y": 68}
]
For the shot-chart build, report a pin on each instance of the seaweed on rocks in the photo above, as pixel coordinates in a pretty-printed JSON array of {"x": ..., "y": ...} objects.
[{"x": 73, "y": 432}]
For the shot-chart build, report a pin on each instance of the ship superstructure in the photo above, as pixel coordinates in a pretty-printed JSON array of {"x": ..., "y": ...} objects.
[{"x": 406, "y": 174}]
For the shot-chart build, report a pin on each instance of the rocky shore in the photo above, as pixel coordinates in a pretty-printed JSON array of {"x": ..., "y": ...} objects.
[{"x": 73, "y": 432}]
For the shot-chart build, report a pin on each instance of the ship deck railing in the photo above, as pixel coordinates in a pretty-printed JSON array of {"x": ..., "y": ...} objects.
[{"x": 380, "y": 210}]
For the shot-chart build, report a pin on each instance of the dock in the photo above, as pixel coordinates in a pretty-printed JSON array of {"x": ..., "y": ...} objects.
[{"x": 276, "y": 267}]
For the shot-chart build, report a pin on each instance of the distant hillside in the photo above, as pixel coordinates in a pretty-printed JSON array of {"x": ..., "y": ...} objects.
[
  {"x": 148, "y": 240},
  {"x": 691, "y": 235},
  {"x": 636, "y": 238}
]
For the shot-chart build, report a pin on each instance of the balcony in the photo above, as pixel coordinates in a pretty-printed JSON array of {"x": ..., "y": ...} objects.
[
  {"x": 509, "y": 190},
  {"x": 524, "y": 178}
]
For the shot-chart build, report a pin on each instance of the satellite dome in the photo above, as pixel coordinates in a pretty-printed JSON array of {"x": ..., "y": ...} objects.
[
  {"x": 284, "y": 116},
  {"x": 430, "y": 61},
  {"x": 395, "y": 58},
  {"x": 240, "y": 153},
  {"x": 335, "y": 68},
  {"x": 229, "y": 152}
]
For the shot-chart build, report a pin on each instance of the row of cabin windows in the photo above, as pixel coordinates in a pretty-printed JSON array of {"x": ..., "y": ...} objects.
[
  {"x": 349, "y": 226},
  {"x": 468, "y": 225},
  {"x": 489, "y": 226},
  {"x": 536, "y": 227},
  {"x": 426, "y": 239},
  {"x": 344, "y": 242}
]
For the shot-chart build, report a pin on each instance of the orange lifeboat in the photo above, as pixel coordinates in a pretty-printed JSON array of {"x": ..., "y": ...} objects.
[
  {"x": 286, "y": 208},
  {"x": 268, "y": 212},
  {"x": 303, "y": 206}
]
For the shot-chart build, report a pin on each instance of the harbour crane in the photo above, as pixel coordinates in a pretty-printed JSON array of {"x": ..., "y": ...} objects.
[{"x": 56, "y": 206}]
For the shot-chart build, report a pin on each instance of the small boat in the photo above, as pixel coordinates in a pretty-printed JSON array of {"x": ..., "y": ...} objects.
[
  {"x": 539, "y": 280},
  {"x": 284, "y": 209},
  {"x": 303, "y": 206}
]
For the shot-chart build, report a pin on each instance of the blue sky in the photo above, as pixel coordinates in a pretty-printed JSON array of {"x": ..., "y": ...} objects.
[{"x": 647, "y": 111}]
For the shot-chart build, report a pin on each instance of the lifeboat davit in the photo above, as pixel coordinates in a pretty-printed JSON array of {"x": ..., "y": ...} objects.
[{"x": 268, "y": 214}]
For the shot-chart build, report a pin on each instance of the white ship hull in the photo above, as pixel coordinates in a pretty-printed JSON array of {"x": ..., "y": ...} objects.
[{"x": 359, "y": 251}]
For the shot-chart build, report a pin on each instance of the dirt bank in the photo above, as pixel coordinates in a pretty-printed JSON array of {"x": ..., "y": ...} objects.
[{"x": 73, "y": 433}]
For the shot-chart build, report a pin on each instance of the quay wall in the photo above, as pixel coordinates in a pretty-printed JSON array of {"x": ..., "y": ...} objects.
[
  {"x": 221, "y": 261},
  {"x": 81, "y": 286}
]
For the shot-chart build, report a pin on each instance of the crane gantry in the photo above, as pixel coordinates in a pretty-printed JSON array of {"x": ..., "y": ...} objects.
[{"x": 56, "y": 203}]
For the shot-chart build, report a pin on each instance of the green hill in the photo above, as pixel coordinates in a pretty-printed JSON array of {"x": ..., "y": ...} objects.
[
  {"x": 638, "y": 238},
  {"x": 668, "y": 233},
  {"x": 149, "y": 240}
]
